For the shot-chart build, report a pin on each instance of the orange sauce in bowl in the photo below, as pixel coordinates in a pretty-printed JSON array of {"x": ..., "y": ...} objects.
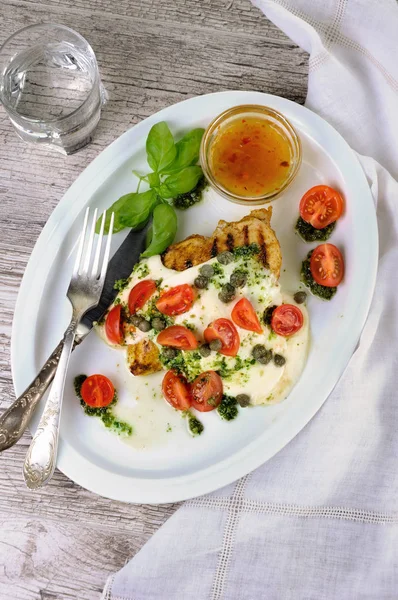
[{"x": 250, "y": 157}]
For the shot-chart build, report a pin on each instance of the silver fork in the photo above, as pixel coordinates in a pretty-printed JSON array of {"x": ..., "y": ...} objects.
[{"x": 84, "y": 293}]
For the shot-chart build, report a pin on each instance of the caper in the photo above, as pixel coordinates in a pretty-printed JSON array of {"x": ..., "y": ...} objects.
[
  {"x": 279, "y": 360},
  {"x": 267, "y": 316},
  {"x": 169, "y": 352},
  {"x": 201, "y": 282},
  {"x": 259, "y": 350},
  {"x": 206, "y": 271},
  {"x": 204, "y": 350},
  {"x": 243, "y": 400},
  {"x": 261, "y": 354},
  {"x": 266, "y": 358},
  {"x": 215, "y": 345},
  {"x": 144, "y": 325},
  {"x": 225, "y": 258},
  {"x": 227, "y": 293},
  {"x": 238, "y": 279},
  {"x": 300, "y": 297},
  {"x": 158, "y": 323},
  {"x": 136, "y": 320}
]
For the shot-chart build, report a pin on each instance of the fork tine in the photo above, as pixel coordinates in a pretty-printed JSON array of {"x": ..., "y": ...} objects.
[
  {"x": 107, "y": 251},
  {"x": 81, "y": 243},
  {"x": 90, "y": 244},
  {"x": 94, "y": 271}
]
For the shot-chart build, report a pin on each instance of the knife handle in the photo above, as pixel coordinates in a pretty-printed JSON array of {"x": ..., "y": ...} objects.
[{"x": 15, "y": 419}]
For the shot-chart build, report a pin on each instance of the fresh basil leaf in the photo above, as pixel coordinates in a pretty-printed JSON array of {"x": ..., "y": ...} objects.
[
  {"x": 153, "y": 179},
  {"x": 136, "y": 212},
  {"x": 188, "y": 148},
  {"x": 117, "y": 209},
  {"x": 164, "y": 228},
  {"x": 149, "y": 236},
  {"x": 180, "y": 183},
  {"x": 160, "y": 147}
]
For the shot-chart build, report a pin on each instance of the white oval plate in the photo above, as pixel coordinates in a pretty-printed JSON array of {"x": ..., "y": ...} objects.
[{"x": 187, "y": 467}]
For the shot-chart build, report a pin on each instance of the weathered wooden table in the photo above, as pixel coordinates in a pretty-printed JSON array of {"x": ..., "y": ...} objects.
[{"x": 61, "y": 542}]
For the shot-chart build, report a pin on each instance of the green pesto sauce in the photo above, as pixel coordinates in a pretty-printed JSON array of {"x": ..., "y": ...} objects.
[
  {"x": 151, "y": 312},
  {"x": 251, "y": 267},
  {"x": 228, "y": 408},
  {"x": 326, "y": 293},
  {"x": 225, "y": 371},
  {"x": 219, "y": 277},
  {"x": 309, "y": 234},
  {"x": 120, "y": 284},
  {"x": 184, "y": 201},
  {"x": 187, "y": 363},
  {"x": 217, "y": 268},
  {"x": 105, "y": 414},
  {"x": 141, "y": 270},
  {"x": 195, "y": 426},
  {"x": 246, "y": 251}
]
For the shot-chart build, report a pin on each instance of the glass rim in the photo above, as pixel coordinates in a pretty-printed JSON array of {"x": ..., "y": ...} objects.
[
  {"x": 96, "y": 80},
  {"x": 238, "y": 111}
]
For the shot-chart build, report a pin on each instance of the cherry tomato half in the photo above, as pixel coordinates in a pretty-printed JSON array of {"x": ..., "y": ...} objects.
[
  {"x": 320, "y": 206},
  {"x": 244, "y": 316},
  {"x": 327, "y": 265},
  {"x": 225, "y": 331},
  {"x": 114, "y": 325},
  {"x": 140, "y": 294},
  {"x": 177, "y": 336},
  {"x": 206, "y": 391},
  {"x": 176, "y": 390},
  {"x": 176, "y": 301},
  {"x": 287, "y": 320},
  {"x": 97, "y": 391}
]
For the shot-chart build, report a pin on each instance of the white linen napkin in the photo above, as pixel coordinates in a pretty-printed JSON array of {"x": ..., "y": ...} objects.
[{"x": 319, "y": 520}]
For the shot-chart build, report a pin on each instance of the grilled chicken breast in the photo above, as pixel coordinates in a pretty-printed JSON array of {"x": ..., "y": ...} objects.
[
  {"x": 143, "y": 357},
  {"x": 194, "y": 250},
  {"x": 252, "y": 229}
]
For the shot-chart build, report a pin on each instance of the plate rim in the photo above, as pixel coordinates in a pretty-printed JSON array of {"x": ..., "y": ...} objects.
[{"x": 183, "y": 487}]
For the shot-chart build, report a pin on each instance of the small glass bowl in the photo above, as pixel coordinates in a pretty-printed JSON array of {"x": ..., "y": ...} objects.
[{"x": 273, "y": 117}]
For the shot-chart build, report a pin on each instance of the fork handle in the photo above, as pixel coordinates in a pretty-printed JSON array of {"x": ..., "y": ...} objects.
[
  {"x": 15, "y": 419},
  {"x": 41, "y": 458}
]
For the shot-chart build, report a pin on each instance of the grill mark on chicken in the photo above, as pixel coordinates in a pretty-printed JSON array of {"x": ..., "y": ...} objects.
[
  {"x": 230, "y": 241},
  {"x": 214, "y": 250},
  {"x": 246, "y": 235},
  {"x": 263, "y": 249}
]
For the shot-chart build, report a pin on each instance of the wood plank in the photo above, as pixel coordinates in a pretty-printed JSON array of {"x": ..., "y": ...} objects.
[
  {"x": 60, "y": 560},
  {"x": 61, "y": 542},
  {"x": 62, "y": 498}
]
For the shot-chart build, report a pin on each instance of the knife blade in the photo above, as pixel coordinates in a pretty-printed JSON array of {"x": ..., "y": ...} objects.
[{"x": 120, "y": 267}]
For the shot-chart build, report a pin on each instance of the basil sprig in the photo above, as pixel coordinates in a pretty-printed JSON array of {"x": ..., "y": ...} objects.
[
  {"x": 162, "y": 231},
  {"x": 174, "y": 172}
]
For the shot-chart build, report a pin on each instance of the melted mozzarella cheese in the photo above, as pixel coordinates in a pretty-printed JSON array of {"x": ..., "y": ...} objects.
[{"x": 265, "y": 384}]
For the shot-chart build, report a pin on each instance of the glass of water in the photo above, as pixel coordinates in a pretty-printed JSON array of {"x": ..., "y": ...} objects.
[{"x": 50, "y": 86}]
